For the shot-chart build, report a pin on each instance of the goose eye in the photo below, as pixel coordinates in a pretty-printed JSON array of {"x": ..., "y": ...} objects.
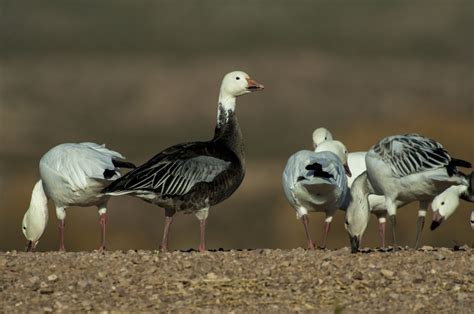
[
  {"x": 237, "y": 78},
  {"x": 24, "y": 228},
  {"x": 347, "y": 222},
  {"x": 326, "y": 138},
  {"x": 442, "y": 203}
]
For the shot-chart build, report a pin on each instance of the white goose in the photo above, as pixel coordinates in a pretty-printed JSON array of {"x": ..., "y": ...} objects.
[
  {"x": 407, "y": 168},
  {"x": 71, "y": 175},
  {"x": 446, "y": 203},
  {"x": 316, "y": 182},
  {"x": 356, "y": 162}
]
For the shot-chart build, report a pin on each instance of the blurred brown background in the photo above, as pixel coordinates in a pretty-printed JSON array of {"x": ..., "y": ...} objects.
[{"x": 143, "y": 75}]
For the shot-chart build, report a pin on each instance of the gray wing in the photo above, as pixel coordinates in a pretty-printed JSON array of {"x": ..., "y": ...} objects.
[
  {"x": 171, "y": 177},
  {"x": 77, "y": 163},
  {"x": 411, "y": 153},
  {"x": 295, "y": 173}
]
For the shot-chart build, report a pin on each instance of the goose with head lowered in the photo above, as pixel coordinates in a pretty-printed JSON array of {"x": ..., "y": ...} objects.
[
  {"x": 356, "y": 162},
  {"x": 71, "y": 175},
  {"x": 357, "y": 214},
  {"x": 192, "y": 177},
  {"x": 315, "y": 181},
  {"x": 446, "y": 203},
  {"x": 412, "y": 167}
]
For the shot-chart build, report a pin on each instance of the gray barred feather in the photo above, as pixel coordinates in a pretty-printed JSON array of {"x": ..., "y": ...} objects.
[{"x": 411, "y": 153}]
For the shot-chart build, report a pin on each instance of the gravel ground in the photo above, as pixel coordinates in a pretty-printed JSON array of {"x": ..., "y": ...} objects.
[{"x": 428, "y": 280}]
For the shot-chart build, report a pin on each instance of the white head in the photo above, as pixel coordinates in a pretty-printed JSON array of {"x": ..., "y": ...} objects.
[
  {"x": 320, "y": 135},
  {"x": 237, "y": 83},
  {"x": 445, "y": 204},
  {"x": 338, "y": 149},
  {"x": 233, "y": 85},
  {"x": 36, "y": 217},
  {"x": 357, "y": 213}
]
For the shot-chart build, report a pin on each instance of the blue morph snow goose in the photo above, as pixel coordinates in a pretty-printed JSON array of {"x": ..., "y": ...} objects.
[
  {"x": 192, "y": 177},
  {"x": 71, "y": 175},
  {"x": 406, "y": 168},
  {"x": 316, "y": 181}
]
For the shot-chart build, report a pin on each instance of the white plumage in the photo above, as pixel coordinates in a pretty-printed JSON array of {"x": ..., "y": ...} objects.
[
  {"x": 71, "y": 175},
  {"x": 446, "y": 203},
  {"x": 407, "y": 168},
  {"x": 316, "y": 182}
]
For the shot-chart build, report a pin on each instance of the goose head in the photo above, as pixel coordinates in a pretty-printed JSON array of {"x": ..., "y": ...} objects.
[
  {"x": 357, "y": 213},
  {"x": 320, "y": 135},
  {"x": 338, "y": 149},
  {"x": 238, "y": 83},
  {"x": 445, "y": 204},
  {"x": 36, "y": 217}
]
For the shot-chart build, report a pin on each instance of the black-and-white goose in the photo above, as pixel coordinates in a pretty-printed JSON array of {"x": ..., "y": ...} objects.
[
  {"x": 72, "y": 174},
  {"x": 192, "y": 177},
  {"x": 406, "y": 168}
]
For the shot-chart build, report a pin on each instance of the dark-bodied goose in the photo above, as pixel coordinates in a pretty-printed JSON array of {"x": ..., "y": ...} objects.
[
  {"x": 192, "y": 177},
  {"x": 71, "y": 175},
  {"x": 407, "y": 168}
]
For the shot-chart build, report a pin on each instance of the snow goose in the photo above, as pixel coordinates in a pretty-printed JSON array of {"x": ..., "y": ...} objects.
[
  {"x": 191, "y": 177},
  {"x": 356, "y": 162},
  {"x": 316, "y": 182},
  {"x": 411, "y": 167},
  {"x": 320, "y": 135},
  {"x": 357, "y": 211},
  {"x": 446, "y": 203},
  {"x": 71, "y": 175}
]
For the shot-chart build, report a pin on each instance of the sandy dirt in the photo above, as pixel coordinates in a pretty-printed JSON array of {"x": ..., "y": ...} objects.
[{"x": 428, "y": 280}]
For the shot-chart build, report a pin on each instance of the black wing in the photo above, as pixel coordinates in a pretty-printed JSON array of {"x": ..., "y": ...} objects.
[{"x": 173, "y": 172}]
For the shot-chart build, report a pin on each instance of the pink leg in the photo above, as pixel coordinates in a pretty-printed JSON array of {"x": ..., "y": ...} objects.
[
  {"x": 305, "y": 220},
  {"x": 62, "y": 224},
  {"x": 382, "y": 233},
  {"x": 164, "y": 241},
  {"x": 102, "y": 223},
  {"x": 202, "y": 243},
  {"x": 327, "y": 227}
]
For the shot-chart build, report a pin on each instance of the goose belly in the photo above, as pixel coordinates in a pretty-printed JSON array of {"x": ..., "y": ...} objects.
[
  {"x": 422, "y": 186},
  {"x": 202, "y": 195},
  {"x": 414, "y": 187},
  {"x": 317, "y": 202},
  {"x": 65, "y": 195}
]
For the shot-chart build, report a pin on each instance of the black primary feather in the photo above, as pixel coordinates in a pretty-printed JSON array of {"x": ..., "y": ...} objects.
[
  {"x": 453, "y": 163},
  {"x": 461, "y": 163},
  {"x": 108, "y": 173},
  {"x": 318, "y": 171},
  {"x": 123, "y": 164}
]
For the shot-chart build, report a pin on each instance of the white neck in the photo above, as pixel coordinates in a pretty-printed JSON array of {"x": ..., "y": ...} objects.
[
  {"x": 36, "y": 217},
  {"x": 458, "y": 189},
  {"x": 39, "y": 201},
  {"x": 227, "y": 102}
]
